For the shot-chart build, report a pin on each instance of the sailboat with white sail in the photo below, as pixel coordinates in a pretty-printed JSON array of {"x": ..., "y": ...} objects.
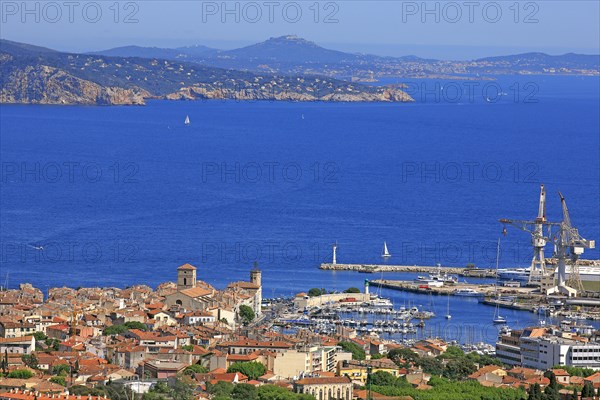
[
  {"x": 448, "y": 315},
  {"x": 187, "y": 120},
  {"x": 385, "y": 252},
  {"x": 498, "y": 319}
]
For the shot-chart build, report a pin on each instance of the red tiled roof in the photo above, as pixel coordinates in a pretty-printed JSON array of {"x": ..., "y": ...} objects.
[
  {"x": 187, "y": 266},
  {"x": 324, "y": 381}
]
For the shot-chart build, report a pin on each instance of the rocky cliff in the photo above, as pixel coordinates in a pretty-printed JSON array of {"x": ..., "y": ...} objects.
[
  {"x": 269, "y": 93},
  {"x": 47, "y": 85}
]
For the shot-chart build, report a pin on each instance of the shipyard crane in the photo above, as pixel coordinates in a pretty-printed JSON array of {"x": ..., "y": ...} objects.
[
  {"x": 568, "y": 246},
  {"x": 539, "y": 239}
]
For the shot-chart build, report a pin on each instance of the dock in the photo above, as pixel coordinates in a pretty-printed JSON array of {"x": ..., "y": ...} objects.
[
  {"x": 487, "y": 290},
  {"x": 374, "y": 268},
  {"x": 523, "y": 298}
]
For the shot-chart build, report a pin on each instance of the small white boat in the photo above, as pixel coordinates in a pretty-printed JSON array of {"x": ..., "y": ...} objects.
[
  {"x": 448, "y": 315},
  {"x": 467, "y": 292},
  {"x": 187, "y": 120},
  {"x": 385, "y": 253},
  {"x": 498, "y": 319}
]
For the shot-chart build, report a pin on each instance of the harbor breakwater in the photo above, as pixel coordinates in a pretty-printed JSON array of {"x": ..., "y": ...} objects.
[{"x": 373, "y": 268}]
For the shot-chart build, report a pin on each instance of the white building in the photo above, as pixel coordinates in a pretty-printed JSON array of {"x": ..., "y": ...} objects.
[
  {"x": 544, "y": 347},
  {"x": 547, "y": 351},
  {"x": 19, "y": 345}
]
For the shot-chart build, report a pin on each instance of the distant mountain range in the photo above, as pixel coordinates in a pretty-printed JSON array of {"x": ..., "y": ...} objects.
[
  {"x": 282, "y": 68},
  {"x": 294, "y": 55},
  {"x": 181, "y": 53},
  {"x": 31, "y": 74}
]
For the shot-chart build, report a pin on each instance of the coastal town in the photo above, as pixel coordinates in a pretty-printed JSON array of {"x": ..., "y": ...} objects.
[{"x": 188, "y": 340}]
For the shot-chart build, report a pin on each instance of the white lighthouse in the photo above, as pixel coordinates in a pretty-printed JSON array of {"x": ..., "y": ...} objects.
[{"x": 334, "y": 253}]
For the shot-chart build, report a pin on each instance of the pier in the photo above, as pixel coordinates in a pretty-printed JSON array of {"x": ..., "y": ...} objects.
[
  {"x": 522, "y": 298},
  {"x": 486, "y": 290},
  {"x": 373, "y": 268}
]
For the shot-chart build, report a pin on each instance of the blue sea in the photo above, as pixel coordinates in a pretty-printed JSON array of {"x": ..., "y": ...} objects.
[{"x": 114, "y": 196}]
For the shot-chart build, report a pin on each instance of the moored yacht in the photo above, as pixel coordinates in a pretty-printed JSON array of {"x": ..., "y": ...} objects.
[
  {"x": 514, "y": 274},
  {"x": 467, "y": 292}
]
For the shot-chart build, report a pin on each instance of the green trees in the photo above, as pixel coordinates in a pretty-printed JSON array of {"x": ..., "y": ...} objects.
[
  {"x": 358, "y": 353},
  {"x": 243, "y": 391},
  {"x": 352, "y": 290},
  {"x": 39, "y": 338},
  {"x": 223, "y": 389},
  {"x": 61, "y": 380},
  {"x": 482, "y": 359},
  {"x": 272, "y": 392},
  {"x": 114, "y": 330},
  {"x": 576, "y": 371},
  {"x": 20, "y": 374},
  {"x": 381, "y": 378},
  {"x": 52, "y": 344},
  {"x": 453, "y": 352},
  {"x": 399, "y": 354},
  {"x": 135, "y": 325},
  {"x": 80, "y": 390},
  {"x": 432, "y": 366},
  {"x": 181, "y": 389},
  {"x": 444, "y": 389},
  {"x": 316, "y": 292},
  {"x": 535, "y": 392},
  {"x": 587, "y": 391},
  {"x": 551, "y": 391},
  {"x": 195, "y": 368},
  {"x": 246, "y": 314},
  {"x": 30, "y": 360},
  {"x": 4, "y": 362},
  {"x": 61, "y": 369},
  {"x": 120, "y": 329},
  {"x": 458, "y": 368},
  {"x": 253, "y": 370},
  {"x": 454, "y": 364}
]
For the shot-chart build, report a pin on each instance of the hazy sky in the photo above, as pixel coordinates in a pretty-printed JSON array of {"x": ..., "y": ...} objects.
[{"x": 444, "y": 29}]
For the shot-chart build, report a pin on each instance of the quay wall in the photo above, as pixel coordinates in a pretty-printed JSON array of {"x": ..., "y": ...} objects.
[
  {"x": 306, "y": 301},
  {"x": 372, "y": 268}
]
